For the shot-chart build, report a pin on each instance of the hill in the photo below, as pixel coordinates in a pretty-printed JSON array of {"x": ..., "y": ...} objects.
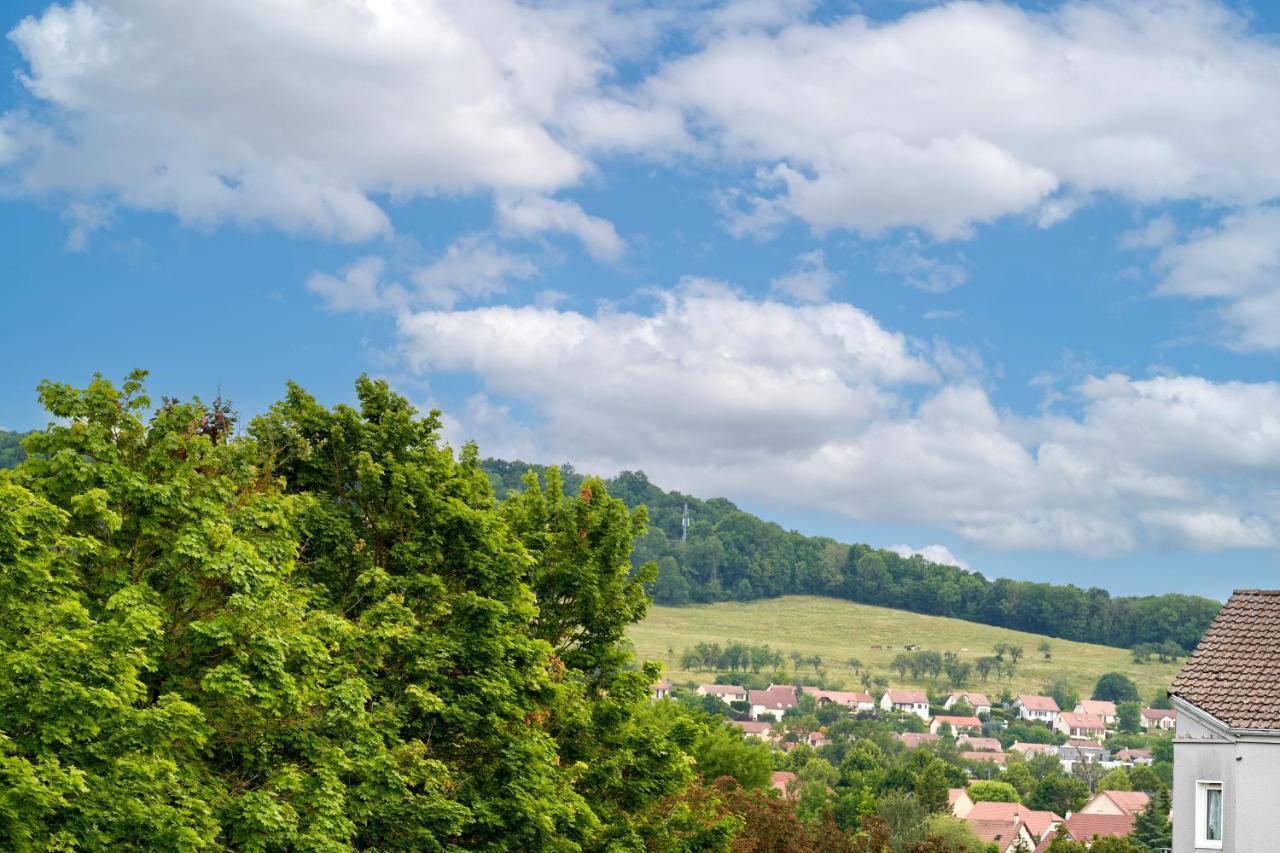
[
  {"x": 10, "y": 448},
  {"x": 840, "y": 630},
  {"x": 730, "y": 554}
]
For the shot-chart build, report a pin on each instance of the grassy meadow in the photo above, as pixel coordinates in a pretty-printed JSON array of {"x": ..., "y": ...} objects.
[{"x": 839, "y": 630}]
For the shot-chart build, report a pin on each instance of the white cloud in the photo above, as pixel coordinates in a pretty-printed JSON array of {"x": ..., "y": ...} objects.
[
  {"x": 940, "y": 554},
  {"x": 1237, "y": 264},
  {"x": 358, "y": 288},
  {"x": 962, "y": 113},
  {"x": 85, "y": 218},
  {"x": 908, "y": 261},
  {"x": 472, "y": 267},
  {"x": 531, "y": 215},
  {"x": 808, "y": 280},
  {"x": 301, "y": 114},
  {"x": 813, "y": 407}
]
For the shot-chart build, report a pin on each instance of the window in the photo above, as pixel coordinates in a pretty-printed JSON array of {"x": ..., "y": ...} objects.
[{"x": 1209, "y": 815}]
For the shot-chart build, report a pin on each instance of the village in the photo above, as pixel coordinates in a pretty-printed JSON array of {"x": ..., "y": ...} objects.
[{"x": 966, "y": 728}]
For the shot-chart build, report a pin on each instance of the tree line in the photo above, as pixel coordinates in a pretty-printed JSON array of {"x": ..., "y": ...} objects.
[{"x": 729, "y": 554}]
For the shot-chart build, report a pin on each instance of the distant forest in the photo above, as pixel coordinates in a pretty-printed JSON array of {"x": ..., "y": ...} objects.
[{"x": 733, "y": 555}]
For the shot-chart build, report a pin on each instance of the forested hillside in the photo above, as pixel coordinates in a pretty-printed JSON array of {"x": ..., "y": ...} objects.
[
  {"x": 733, "y": 555},
  {"x": 10, "y": 449}
]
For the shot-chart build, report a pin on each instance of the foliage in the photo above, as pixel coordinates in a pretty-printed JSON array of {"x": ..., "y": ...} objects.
[
  {"x": 1063, "y": 693},
  {"x": 723, "y": 751},
  {"x": 1058, "y": 793},
  {"x": 1129, "y": 717},
  {"x": 1115, "y": 687},
  {"x": 1152, "y": 830},
  {"x": 11, "y": 452},
  {"x": 993, "y": 791},
  {"x": 955, "y": 834},
  {"x": 321, "y": 634},
  {"x": 1116, "y": 779},
  {"x": 726, "y": 546}
]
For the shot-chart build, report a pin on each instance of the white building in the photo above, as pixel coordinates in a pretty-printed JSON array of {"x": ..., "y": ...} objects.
[
  {"x": 907, "y": 701},
  {"x": 1039, "y": 708},
  {"x": 1226, "y": 748},
  {"x": 726, "y": 693}
]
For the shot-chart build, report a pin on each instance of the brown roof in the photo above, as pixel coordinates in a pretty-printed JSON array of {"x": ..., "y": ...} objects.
[
  {"x": 1101, "y": 707},
  {"x": 1002, "y": 833},
  {"x": 1072, "y": 720},
  {"x": 974, "y": 699},
  {"x": 989, "y": 744},
  {"x": 1037, "y": 822},
  {"x": 1084, "y": 827},
  {"x": 1038, "y": 703},
  {"x": 1234, "y": 674},
  {"x": 722, "y": 689},
  {"x": 1159, "y": 713},
  {"x": 997, "y": 757},
  {"x": 1034, "y": 748},
  {"x": 962, "y": 722},
  {"x": 751, "y": 727},
  {"x": 908, "y": 697},
  {"x": 840, "y": 697},
  {"x": 1129, "y": 802},
  {"x": 914, "y": 739},
  {"x": 781, "y": 778},
  {"x": 779, "y": 697}
]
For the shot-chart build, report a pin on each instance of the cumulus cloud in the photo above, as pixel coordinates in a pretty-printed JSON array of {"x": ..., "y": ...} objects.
[
  {"x": 529, "y": 216},
  {"x": 821, "y": 408},
  {"x": 472, "y": 267},
  {"x": 962, "y": 113},
  {"x": 298, "y": 114},
  {"x": 933, "y": 553},
  {"x": 1235, "y": 264},
  {"x": 356, "y": 288},
  {"x": 915, "y": 268},
  {"x": 808, "y": 280}
]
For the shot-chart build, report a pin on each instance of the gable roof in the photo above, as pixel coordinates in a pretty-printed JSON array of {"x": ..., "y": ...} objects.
[
  {"x": 908, "y": 697},
  {"x": 1003, "y": 833},
  {"x": 1234, "y": 674},
  {"x": 975, "y": 755},
  {"x": 1159, "y": 713},
  {"x": 1038, "y": 703},
  {"x": 987, "y": 744},
  {"x": 840, "y": 697},
  {"x": 974, "y": 699},
  {"x": 1084, "y": 827},
  {"x": 1129, "y": 802},
  {"x": 1037, "y": 822},
  {"x": 1034, "y": 748},
  {"x": 778, "y": 697},
  {"x": 1072, "y": 720},
  {"x": 751, "y": 727},
  {"x": 914, "y": 739},
  {"x": 964, "y": 722},
  {"x": 723, "y": 689},
  {"x": 1101, "y": 707}
]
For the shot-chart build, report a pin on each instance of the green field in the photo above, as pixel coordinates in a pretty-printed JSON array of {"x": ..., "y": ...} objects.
[{"x": 838, "y": 630}]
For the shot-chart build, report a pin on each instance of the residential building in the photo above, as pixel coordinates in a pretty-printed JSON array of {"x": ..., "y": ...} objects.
[
  {"x": 913, "y": 739},
  {"x": 979, "y": 702},
  {"x": 959, "y": 725},
  {"x": 816, "y": 739},
  {"x": 851, "y": 699},
  {"x": 661, "y": 689},
  {"x": 1031, "y": 750},
  {"x": 978, "y": 755},
  {"x": 1131, "y": 756},
  {"x": 1039, "y": 708},
  {"x": 907, "y": 701},
  {"x": 776, "y": 700},
  {"x": 1116, "y": 802},
  {"x": 1159, "y": 718},
  {"x": 979, "y": 744},
  {"x": 750, "y": 728},
  {"x": 1081, "y": 750},
  {"x": 782, "y": 781},
  {"x": 1098, "y": 708},
  {"x": 1038, "y": 823},
  {"x": 1004, "y": 834},
  {"x": 1226, "y": 748},
  {"x": 726, "y": 693},
  {"x": 959, "y": 801},
  {"x": 1086, "y": 726},
  {"x": 1086, "y": 827}
]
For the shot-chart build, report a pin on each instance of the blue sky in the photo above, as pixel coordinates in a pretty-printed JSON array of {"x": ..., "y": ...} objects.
[{"x": 996, "y": 281}]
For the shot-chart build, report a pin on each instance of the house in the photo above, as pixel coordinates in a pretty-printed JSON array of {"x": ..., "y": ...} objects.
[
  {"x": 1039, "y": 708},
  {"x": 1081, "y": 750},
  {"x": 959, "y": 802},
  {"x": 1226, "y": 746},
  {"x": 776, "y": 700},
  {"x": 979, "y": 744},
  {"x": 1098, "y": 708},
  {"x": 1038, "y": 823},
  {"x": 907, "y": 701},
  {"x": 997, "y": 757},
  {"x": 1116, "y": 802},
  {"x": 783, "y": 782},
  {"x": 911, "y": 740},
  {"x": 1004, "y": 834},
  {"x": 726, "y": 693},
  {"x": 852, "y": 700},
  {"x": 816, "y": 739},
  {"x": 1159, "y": 718},
  {"x": 979, "y": 702},
  {"x": 959, "y": 725},
  {"x": 1086, "y": 827},
  {"x": 1031, "y": 750},
  {"x": 1131, "y": 756},
  {"x": 660, "y": 689},
  {"x": 1085, "y": 726},
  {"x": 750, "y": 728}
]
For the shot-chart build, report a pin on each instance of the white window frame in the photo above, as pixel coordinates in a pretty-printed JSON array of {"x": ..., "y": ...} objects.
[{"x": 1203, "y": 787}]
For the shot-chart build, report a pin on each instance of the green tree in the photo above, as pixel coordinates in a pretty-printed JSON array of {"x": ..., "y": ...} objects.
[
  {"x": 1062, "y": 692},
  {"x": 1152, "y": 829},
  {"x": 931, "y": 786},
  {"x": 1143, "y": 778},
  {"x": 1115, "y": 687},
  {"x": 993, "y": 791},
  {"x": 1116, "y": 779},
  {"x": 1046, "y": 649},
  {"x": 954, "y": 834},
  {"x": 1129, "y": 717},
  {"x": 723, "y": 751},
  {"x": 1059, "y": 794}
]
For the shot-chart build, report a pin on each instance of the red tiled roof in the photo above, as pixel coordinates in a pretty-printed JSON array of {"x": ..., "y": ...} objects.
[
  {"x": 962, "y": 722},
  {"x": 1234, "y": 674},
  {"x": 662, "y": 684},
  {"x": 1083, "y": 827},
  {"x": 1038, "y": 703},
  {"x": 987, "y": 744},
  {"x": 1159, "y": 713},
  {"x": 954, "y": 794},
  {"x": 840, "y": 697},
  {"x": 1129, "y": 802},
  {"x": 914, "y": 739},
  {"x": 1002, "y": 833},
  {"x": 752, "y": 727},
  {"x": 1098, "y": 706},
  {"x": 1034, "y": 748},
  {"x": 974, "y": 699},
  {"x": 722, "y": 689},
  {"x": 997, "y": 757},
  {"x": 1036, "y": 821},
  {"x": 908, "y": 697},
  {"x": 781, "y": 778},
  {"x": 1072, "y": 720},
  {"x": 778, "y": 697}
]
